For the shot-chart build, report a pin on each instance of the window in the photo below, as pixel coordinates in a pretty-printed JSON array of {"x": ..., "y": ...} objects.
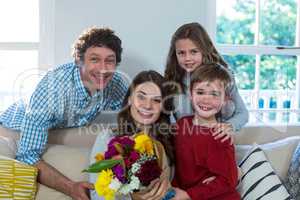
[
  {"x": 260, "y": 39},
  {"x": 19, "y": 49}
]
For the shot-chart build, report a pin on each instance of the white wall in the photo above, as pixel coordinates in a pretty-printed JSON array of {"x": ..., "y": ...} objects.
[{"x": 145, "y": 27}]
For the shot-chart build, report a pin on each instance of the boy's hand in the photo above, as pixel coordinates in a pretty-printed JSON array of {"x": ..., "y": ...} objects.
[
  {"x": 223, "y": 131},
  {"x": 208, "y": 180}
]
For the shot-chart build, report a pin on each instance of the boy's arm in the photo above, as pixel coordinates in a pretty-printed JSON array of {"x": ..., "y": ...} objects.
[{"x": 221, "y": 162}]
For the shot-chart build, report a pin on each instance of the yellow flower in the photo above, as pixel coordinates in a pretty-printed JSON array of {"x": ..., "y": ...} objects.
[
  {"x": 99, "y": 157},
  {"x": 143, "y": 144},
  {"x": 102, "y": 184}
]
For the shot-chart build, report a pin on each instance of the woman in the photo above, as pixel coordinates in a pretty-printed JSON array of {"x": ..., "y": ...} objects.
[{"x": 143, "y": 110}]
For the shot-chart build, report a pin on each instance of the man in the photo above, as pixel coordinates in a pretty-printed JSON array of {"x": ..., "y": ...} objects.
[{"x": 70, "y": 95}]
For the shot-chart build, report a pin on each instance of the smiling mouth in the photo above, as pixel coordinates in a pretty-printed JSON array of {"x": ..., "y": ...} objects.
[
  {"x": 205, "y": 108},
  {"x": 101, "y": 77},
  {"x": 145, "y": 114},
  {"x": 189, "y": 66}
]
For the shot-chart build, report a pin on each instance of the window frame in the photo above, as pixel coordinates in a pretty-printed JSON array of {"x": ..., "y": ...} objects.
[
  {"x": 45, "y": 46},
  {"x": 257, "y": 50}
]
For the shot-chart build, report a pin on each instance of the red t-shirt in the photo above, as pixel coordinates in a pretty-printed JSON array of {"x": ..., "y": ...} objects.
[{"x": 199, "y": 156}]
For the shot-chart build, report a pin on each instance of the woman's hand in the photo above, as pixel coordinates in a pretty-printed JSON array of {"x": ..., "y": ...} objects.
[
  {"x": 223, "y": 131},
  {"x": 155, "y": 191},
  {"x": 181, "y": 195}
]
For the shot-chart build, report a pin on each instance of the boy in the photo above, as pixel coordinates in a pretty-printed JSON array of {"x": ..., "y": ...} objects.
[{"x": 198, "y": 155}]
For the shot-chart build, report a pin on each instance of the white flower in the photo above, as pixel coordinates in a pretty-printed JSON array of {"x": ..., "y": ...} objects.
[
  {"x": 133, "y": 185},
  {"x": 115, "y": 184},
  {"x": 135, "y": 167}
]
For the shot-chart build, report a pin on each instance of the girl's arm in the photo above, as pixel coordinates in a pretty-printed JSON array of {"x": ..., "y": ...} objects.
[{"x": 241, "y": 115}]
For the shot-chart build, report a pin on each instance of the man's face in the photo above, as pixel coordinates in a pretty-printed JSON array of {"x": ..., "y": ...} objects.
[{"x": 98, "y": 67}]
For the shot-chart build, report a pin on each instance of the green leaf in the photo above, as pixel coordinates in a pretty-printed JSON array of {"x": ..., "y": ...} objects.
[{"x": 102, "y": 165}]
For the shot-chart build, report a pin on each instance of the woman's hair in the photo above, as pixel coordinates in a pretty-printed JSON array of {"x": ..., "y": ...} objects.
[
  {"x": 210, "y": 73},
  {"x": 161, "y": 129},
  {"x": 198, "y": 35},
  {"x": 97, "y": 37}
]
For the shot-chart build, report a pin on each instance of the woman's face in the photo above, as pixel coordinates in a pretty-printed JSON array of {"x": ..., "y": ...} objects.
[
  {"x": 145, "y": 103},
  {"x": 188, "y": 55}
]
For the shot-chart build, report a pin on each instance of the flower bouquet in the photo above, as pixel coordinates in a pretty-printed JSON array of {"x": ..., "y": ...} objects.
[{"x": 128, "y": 165}]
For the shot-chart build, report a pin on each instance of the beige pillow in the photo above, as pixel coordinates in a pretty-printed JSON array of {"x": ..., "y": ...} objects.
[
  {"x": 279, "y": 153},
  {"x": 7, "y": 147},
  {"x": 17, "y": 180},
  {"x": 70, "y": 161}
]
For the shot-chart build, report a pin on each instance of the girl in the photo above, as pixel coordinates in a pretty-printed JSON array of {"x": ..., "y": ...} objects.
[
  {"x": 190, "y": 48},
  {"x": 143, "y": 111},
  {"x": 195, "y": 147}
]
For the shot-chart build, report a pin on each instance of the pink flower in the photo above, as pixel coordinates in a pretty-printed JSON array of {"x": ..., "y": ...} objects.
[{"x": 133, "y": 156}]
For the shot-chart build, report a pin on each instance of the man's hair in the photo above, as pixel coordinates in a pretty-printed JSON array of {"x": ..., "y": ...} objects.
[
  {"x": 97, "y": 37},
  {"x": 210, "y": 73}
]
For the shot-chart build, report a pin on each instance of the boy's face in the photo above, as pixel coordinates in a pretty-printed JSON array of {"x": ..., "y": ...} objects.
[{"x": 207, "y": 99}]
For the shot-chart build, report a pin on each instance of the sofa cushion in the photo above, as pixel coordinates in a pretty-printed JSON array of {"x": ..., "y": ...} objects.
[
  {"x": 292, "y": 182},
  {"x": 279, "y": 153},
  {"x": 259, "y": 181},
  {"x": 6, "y": 147},
  {"x": 70, "y": 161},
  {"x": 17, "y": 180}
]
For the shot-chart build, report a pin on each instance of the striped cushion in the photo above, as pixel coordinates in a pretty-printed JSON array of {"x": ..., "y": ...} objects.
[
  {"x": 292, "y": 181},
  {"x": 17, "y": 180},
  {"x": 259, "y": 181}
]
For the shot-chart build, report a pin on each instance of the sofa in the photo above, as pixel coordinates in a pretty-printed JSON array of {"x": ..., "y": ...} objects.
[{"x": 69, "y": 149}]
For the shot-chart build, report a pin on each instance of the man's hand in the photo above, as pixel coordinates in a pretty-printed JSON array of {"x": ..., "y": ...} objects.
[
  {"x": 79, "y": 190},
  {"x": 52, "y": 178}
]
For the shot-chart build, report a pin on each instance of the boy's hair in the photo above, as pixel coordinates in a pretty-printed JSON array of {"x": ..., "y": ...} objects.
[
  {"x": 210, "y": 73},
  {"x": 198, "y": 35},
  {"x": 97, "y": 37}
]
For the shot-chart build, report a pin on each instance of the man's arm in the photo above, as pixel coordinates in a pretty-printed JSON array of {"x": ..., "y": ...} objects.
[{"x": 52, "y": 178}]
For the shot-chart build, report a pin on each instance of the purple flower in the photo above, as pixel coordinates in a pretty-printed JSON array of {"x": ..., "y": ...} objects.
[
  {"x": 120, "y": 173},
  {"x": 133, "y": 156},
  {"x": 124, "y": 143}
]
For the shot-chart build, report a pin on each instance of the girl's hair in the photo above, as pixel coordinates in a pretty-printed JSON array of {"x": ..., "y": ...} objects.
[
  {"x": 210, "y": 73},
  {"x": 198, "y": 35},
  {"x": 97, "y": 37},
  {"x": 161, "y": 129}
]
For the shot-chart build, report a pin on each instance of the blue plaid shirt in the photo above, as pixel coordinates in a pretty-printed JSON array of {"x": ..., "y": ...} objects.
[{"x": 59, "y": 101}]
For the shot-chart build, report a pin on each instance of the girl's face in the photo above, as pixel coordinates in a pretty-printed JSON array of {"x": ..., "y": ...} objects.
[
  {"x": 188, "y": 55},
  {"x": 146, "y": 103},
  {"x": 207, "y": 99}
]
